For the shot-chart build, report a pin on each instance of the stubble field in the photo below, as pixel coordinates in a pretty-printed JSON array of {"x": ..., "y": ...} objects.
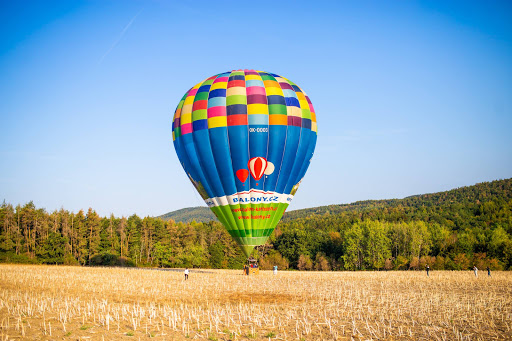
[{"x": 71, "y": 303}]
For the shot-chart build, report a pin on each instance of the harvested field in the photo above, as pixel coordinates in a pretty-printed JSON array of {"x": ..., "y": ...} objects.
[{"x": 70, "y": 303}]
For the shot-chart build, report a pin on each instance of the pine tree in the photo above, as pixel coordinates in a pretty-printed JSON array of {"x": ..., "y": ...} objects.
[{"x": 93, "y": 226}]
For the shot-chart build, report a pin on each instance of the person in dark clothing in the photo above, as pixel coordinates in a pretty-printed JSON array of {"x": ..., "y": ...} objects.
[
  {"x": 428, "y": 269},
  {"x": 489, "y": 271}
]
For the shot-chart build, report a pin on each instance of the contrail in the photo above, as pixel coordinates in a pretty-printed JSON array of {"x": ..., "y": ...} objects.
[{"x": 120, "y": 37}]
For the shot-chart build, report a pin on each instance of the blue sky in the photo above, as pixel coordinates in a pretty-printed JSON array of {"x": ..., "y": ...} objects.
[{"x": 411, "y": 97}]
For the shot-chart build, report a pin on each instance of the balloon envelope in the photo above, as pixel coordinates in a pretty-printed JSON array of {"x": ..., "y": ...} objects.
[{"x": 245, "y": 139}]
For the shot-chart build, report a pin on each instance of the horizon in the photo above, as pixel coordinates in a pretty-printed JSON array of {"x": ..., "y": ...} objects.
[
  {"x": 206, "y": 207},
  {"x": 410, "y": 97}
]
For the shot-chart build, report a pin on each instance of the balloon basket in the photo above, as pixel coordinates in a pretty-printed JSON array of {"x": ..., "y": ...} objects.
[{"x": 251, "y": 267}]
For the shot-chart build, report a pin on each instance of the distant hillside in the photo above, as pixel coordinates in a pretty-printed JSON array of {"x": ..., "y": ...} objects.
[
  {"x": 461, "y": 196},
  {"x": 186, "y": 215}
]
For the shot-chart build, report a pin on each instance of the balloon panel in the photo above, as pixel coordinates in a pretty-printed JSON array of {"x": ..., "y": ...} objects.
[{"x": 245, "y": 139}]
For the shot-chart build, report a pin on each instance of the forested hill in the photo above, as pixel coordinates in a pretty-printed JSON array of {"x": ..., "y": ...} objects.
[
  {"x": 186, "y": 215},
  {"x": 465, "y": 196},
  {"x": 448, "y": 230},
  {"x": 469, "y": 196}
]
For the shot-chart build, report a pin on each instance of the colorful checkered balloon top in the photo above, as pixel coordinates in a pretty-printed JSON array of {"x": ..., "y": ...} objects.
[{"x": 243, "y": 97}]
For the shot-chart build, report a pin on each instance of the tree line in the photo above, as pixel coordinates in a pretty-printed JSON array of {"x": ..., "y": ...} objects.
[
  {"x": 32, "y": 235},
  {"x": 450, "y": 230}
]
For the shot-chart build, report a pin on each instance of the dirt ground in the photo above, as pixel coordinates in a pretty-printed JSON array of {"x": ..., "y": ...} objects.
[{"x": 78, "y": 303}]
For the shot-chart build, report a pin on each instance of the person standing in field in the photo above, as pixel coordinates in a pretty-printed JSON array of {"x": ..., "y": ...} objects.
[
  {"x": 275, "y": 269},
  {"x": 428, "y": 269},
  {"x": 475, "y": 270},
  {"x": 186, "y": 274},
  {"x": 489, "y": 271}
]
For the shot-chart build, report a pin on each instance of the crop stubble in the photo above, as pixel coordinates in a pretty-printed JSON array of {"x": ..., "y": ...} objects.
[{"x": 58, "y": 302}]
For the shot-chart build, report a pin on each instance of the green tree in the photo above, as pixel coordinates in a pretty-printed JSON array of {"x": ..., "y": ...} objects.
[
  {"x": 507, "y": 254},
  {"x": 216, "y": 251},
  {"x": 162, "y": 255},
  {"x": 498, "y": 242},
  {"x": 377, "y": 244},
  {"x": 7, "y": 228},
  {"x": 292, "y": 244},
  {"x": 194, "y": 257},
  {"x": 92, "y": 228},
  {"x": 52, "y": 251},
  {"x": 466, "y": 241},
  {"x": 133, "y": 239},
  {"x": 441, "y": 238},
  {"x": 80, "y": 238},
  {"x": 354, "y": 248}
]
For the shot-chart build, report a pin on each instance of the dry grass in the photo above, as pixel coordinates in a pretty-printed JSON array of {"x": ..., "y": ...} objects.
[{"x": 49, "y": 303}]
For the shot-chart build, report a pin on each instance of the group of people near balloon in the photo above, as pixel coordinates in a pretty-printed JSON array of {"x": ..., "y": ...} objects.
[{"x": 475, "y": 271}]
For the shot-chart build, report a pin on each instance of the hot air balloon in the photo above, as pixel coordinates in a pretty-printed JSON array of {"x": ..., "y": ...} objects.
[{"x": 245, "y": 139}]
